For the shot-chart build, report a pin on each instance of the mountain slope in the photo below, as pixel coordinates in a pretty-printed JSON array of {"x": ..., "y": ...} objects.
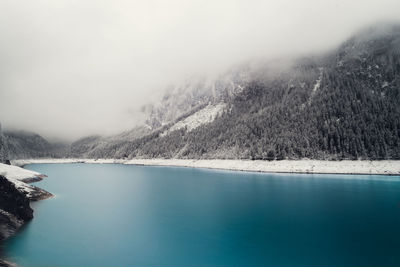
[
  {"x": 341, "y": 105},
  {"x": 344, "y": 104},
  {"x": 3, "y": 149},
  {"x": 21, "y": 144},
  {"x": 25, "y": 144},
  {"x": 195, "y": 93},
  {"x": 87, "y": 146}
]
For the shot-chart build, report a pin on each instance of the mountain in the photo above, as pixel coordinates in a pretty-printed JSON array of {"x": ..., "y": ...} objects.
[
  {"x": 87, "y": 146},
  {"x": 343, "y": 104},
  {"x": 195, "y": 93},
  {"x": 25, "y": 144},
  {"x": 339, "y": 105},
  {"x": 22, "y": 144}
]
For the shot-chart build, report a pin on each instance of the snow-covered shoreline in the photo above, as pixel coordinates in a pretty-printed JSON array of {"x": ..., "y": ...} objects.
[
  {"x": 15, "y": 197},
  {"x": 21, "y": 177},
  {"x": 384, "y": 167}
]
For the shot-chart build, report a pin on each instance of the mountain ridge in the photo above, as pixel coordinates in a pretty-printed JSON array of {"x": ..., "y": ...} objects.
[{"x": 339, "y": 105}]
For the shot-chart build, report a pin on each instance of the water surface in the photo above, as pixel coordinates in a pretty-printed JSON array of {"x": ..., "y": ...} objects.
[{"x": 121, "y": 215}]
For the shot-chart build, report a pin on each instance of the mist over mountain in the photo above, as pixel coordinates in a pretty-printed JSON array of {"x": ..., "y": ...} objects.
[
  {"x": 73, "y": 69},
  {"x": 22, "y": 144},
  {"x": 343, "y": 104}
]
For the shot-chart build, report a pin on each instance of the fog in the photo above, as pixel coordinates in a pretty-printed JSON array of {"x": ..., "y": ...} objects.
[{"x": 73, "y": 68}]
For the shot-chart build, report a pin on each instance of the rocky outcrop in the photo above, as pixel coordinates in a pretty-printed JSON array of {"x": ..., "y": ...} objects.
[
  {"x": 4, "y": 263},
  {"x": 14, "y": 208},
  {"x": 38, "y": 194}
]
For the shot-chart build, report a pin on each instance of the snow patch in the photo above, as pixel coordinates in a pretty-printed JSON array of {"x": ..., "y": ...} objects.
[
  {"x": 203, "y": 116},
  {"x": 317, "y": 85},
  {"x": 382, "y": 167},
  {"x": 385, "y": 167},
  {"x": 318, "y": 82},
  {"x": 15, "y": 174}
]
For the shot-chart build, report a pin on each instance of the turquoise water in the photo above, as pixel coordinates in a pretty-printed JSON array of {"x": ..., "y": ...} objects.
[{"x": 120, "y": 215}]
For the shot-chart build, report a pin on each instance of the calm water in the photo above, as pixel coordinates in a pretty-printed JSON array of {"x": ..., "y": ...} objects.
[{"x": 118, "y": 215}]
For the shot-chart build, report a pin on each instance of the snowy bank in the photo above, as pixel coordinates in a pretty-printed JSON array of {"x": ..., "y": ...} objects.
[
  {"x": 15, "y": 198},
  {"x": 384, "y": 167},
  {"x": 19, "y": 177},
  {"x": 17, "y": 173}
]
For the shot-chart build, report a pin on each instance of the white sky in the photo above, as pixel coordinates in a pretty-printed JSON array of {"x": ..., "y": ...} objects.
[{"x": 78, "y": 67}]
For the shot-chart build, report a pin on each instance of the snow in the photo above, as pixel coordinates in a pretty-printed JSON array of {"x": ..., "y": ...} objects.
[
  {"x": 384, "y": 167},
  {"x": 23, "y": 162},
  {"x": 317, "y": 85},
  {"x": 318, "y": 82},
  {"x": 15, "y": 174},
  {"x": 203, "y": 116},
  {"x": 285, "y": 166}
]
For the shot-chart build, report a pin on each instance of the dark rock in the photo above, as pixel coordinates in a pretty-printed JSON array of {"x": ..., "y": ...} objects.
[
  {"x": 38, "y": 194},
  {"x": 14, "y": 201},
  {"x": 31, "y": 180},
  {"x": 4, "y": 263},
  {"x": 14, "y": 211}
]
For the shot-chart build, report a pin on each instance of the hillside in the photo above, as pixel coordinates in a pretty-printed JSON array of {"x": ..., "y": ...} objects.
[
  {"x": 344, "y": 104},
  {"x": 195, "y": 93},
  {"x": 3, "y": 149},
  {"x": 86, "y": 146},
  {"x": 22, "y": 144},
  {"x": 339, "y": 105}
]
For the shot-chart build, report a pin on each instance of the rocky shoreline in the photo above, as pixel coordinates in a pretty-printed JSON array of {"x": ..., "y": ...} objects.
[{"x": 15, "y": 198}]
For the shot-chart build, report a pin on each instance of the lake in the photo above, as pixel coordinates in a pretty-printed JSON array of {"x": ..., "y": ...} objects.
[{"x": 125, "y": 215}]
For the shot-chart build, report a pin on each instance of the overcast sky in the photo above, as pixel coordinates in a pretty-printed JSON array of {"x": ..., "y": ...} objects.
[{"x": 69, "y": 68}]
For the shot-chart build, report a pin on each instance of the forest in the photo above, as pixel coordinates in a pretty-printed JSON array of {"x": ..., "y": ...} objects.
[{"x": 344, "y": 104}]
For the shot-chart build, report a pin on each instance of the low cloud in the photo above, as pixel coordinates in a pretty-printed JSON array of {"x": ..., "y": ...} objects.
[{"x": 73, "y": 68}]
